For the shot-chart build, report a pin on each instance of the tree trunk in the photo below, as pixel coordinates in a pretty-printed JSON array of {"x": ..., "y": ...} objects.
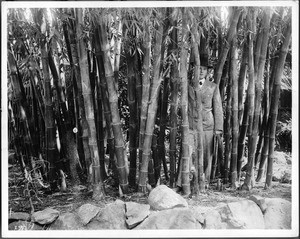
[
  {"x": 162, "y": 129},
  {"x": 117, "y": 51},
  {"x": 152, "y": 109},
  {"x": 113, "y": 101},
  {"x": 184, "y": 106},
  {"x": 225, "y": 49},
  {"x": 106, "y": 104},
  {"x": 145, "y": 88},
  {"x": 83, "y": 127},
  {"x": 241, "y": 80},
  {"x": 199, "y": 163},
  {"x": 51, "y": 150},
  {"x": 131, "y": 97},
  {"x": 98, "y": 187},
  {"x": 265, "y": 127},
  {"x": 67, "y": 139},
  {"x": 275, "y": 102},
  {"x": 174, "y": 80},
  {"x": 235, "y": 120},
  {"x": 253, "y": 137},
  {"x": 228, "y": 132}
]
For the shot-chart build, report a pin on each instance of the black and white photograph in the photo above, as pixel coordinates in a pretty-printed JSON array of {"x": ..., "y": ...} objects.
[{"x": 149, "y": 119}]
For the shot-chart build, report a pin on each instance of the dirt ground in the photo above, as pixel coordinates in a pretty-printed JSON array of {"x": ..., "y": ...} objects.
[{"x": 71, "y": 200}]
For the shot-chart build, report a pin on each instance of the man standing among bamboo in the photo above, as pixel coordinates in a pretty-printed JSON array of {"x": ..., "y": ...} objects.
[{"x": 212, "y": 114}]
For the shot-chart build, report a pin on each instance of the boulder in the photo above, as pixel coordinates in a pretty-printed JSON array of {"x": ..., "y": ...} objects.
[
  {"x": 213, "y": 220},
  {"x": 278, "y": 214},
  {"x": 23, "y": 226},
  {"x": 67, "y": 221},
  {"x": 177, "y": 218},
  {"x": 287, "y": 177},
  {"x": 198, "y": 215},
  {"x": 260, "y": 201},
  {"x": 110, "y": 217},
  {"x": 136, "y": 213},
  {"x": 162, "y": 198},
  {"x": 86, "y": 212},
  {"x": 15, "y": 216},
  {"x": 244, "y": 214},
  {"x": 45, "y": 216}
]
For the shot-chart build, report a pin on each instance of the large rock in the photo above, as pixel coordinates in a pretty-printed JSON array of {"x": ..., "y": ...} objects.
[
  {"x": 287, "y": 177},
  {"x": 24, "y": 226},
  {"x": 162, "y": 198},
  {"x": 110, "y": 217},
  {"x": 244, "y": 214},
  {"x": 278, "y": 214},
  {"x": 45, "y": 216},
  {"x": 260, "y": 201},
  {"x": 177, "y": 218},
  {"x": 213, "y": 220},
  {"x": 86, "y": 212},
  {"x": 15, "y": 216},
  {"x": 136, "y": 213},
  {"x": 67, "y": 221}
]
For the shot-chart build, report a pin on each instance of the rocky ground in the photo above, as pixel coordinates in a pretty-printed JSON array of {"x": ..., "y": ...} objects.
[{"x": 71, "y": 201}]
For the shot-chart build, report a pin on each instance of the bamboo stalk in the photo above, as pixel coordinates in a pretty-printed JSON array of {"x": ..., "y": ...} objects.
[
  {"x": 266, "y": 133},
  {"x": 184, "y": 105},
  {"x": 248, "y": 183},
  {"x": 174, "y": 79},
  {"x": 131, "y": 97},
  {"x": 145, "y": 88},
  {"x": 152, "y": 108},
  {"x": 82, "y": 120},
  {"x": 275, "y": 102},
  {"x": 228, "y": 132},
  {"x": 113, "y": 102},
  {"x": 225, "y": 49},
  {"x": 106, "y": 105},
  {"x": 199, "y": 163},
  {"x": 235, "y": 120},
  {"x": 49, "y": 116},
  {"x": 241, "y": 80}
]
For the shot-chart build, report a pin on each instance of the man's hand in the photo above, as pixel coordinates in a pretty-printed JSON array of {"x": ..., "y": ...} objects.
[{"x": 218, "y": 132}]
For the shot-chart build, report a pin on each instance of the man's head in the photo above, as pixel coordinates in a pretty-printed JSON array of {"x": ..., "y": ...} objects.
[{"x": 204, "y": 66}]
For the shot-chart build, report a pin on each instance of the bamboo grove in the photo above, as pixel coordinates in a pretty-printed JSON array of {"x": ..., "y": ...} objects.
[{"x": 99, "y": 93}]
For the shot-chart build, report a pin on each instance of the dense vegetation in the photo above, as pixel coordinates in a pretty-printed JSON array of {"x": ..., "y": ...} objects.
[{"x": 98, "y": 93}]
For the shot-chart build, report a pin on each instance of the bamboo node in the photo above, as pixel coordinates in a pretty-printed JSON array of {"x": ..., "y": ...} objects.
[
  {"x": 143, "y": 171},
  {"x": 109, "y": 75},
  {"x": 121, "y": 167},
  {"x": 115, "y": 123}
]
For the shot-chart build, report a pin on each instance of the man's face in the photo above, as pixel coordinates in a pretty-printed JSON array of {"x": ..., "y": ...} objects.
[{"x": 203, "y": 72}]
